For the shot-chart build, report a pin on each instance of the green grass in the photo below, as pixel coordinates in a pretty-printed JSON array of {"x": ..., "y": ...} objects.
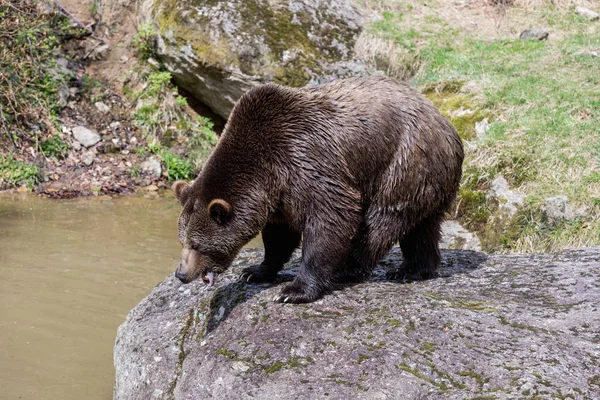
[
  {"x": 178, "y": 168},
  {"x": 29, "y": 77},
  {"x": 54, "y": 146},
  {"x": 543, "y": 105},
  {"x": 16, "y": 173},
  {"x": 163, "y": 117}
]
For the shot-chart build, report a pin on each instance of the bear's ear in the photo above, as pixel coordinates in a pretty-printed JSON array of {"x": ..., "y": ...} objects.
[
  {"x": 181, "y": 190},
  {"x": 220, "y": 211}
]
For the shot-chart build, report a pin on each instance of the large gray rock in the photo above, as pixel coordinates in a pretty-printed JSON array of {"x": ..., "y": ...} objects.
[
  {"x": 217, "y": 50},
  {"x": 519, "y": 326}
]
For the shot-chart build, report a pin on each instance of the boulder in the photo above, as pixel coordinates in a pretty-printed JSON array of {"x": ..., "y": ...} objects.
[
  {"x": 497, "y": 326},
  {"x": 217, "y": 50}
]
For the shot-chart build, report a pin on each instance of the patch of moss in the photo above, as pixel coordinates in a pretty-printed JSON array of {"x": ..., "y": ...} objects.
[
  {"x": 169, "y": 18},
  {"x": 394, "y": 322},
  {"x": 409, "y": 327},
  {"x": 362, "y": 358},
  {"x": 181, "y": 342},
  {"x": 518, "y": 325},
  {"x": 405, "y": 367},
  {"x": 460, "y": 109},
  {"x": 286, "y": 34},
  {"x": 349, "y": 329},
  {"x": 472, "y": 374},
  {"x": 428, "y": 347}
]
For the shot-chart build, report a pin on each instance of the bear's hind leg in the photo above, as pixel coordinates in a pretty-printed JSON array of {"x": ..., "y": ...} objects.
[
  {"x": 280, "y": 241},
  {"x": 420, "y": 250}
]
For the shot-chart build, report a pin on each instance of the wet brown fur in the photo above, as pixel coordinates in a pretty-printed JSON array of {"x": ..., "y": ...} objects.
[{"x": 351, "y": 167}]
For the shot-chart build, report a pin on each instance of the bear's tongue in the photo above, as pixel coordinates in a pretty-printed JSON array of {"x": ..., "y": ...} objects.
[{"x": 209, "y": 278}]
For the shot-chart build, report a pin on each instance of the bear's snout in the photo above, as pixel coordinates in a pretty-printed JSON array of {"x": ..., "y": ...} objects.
[{"x": 182, "y": 276}]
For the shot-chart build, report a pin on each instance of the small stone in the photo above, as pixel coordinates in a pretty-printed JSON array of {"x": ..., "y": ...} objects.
[
  {"x": 587, "y": 13},
  {"x": 100, "y": 52},
  {"x": 534, "y": 34},
  {"x": 239, "y": 366},
  {"x": 63, "y": 95},
  {"x": 108, "y": 148},
  {"x": 455, "y": 236},
  {"x": 88, "y": 158},
  {"x": 152, "y": 166},
  {"x": 557, "y": 209},
  {"x": 87, "y": 137},
  {"x": 509, "y": 201},
  {"x": 115, "y": 141},
  {"x": 124, "y": 59},
  {"x": 591, "y": 53},
  {"x": 63, "y": 65},
  {"x": 22, "y": 189},
  {"x": 115, "y": 124},
  {"x": 103, "y": 108},
  {"x": 133, "y": 140},
  {"x": 76, "y": 146},
  {"x": 482, "y": 127},
  {"x": 153, "y": 62}
]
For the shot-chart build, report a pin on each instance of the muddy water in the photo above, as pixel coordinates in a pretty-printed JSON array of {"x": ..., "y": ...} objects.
[{"x": 69, "y": 272}]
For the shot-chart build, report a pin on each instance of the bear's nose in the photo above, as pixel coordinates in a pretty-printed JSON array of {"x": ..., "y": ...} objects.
[{"x": 181, "y": 276}]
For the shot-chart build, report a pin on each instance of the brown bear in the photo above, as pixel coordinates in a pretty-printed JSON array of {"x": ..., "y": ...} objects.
[{"x": 350, "y": 167}]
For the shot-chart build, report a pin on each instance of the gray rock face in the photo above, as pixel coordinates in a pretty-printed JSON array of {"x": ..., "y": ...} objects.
[
  {"x": 87, "y": 137},
  {"x": 498, "y": 326},
  {"x": 217, "y": 50}
]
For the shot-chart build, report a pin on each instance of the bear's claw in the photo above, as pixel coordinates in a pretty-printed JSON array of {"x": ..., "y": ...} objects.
[
  {"x": 298, "y": 292},
  {"x": 258, "y": 273}
]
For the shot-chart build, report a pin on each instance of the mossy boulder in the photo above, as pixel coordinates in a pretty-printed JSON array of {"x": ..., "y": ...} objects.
[
  {"x": 217, "y": 50},
  {"x": 497, "y": 326}
]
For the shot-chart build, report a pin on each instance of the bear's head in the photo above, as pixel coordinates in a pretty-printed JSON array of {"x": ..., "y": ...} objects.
[{"x": 209, "y": 233}]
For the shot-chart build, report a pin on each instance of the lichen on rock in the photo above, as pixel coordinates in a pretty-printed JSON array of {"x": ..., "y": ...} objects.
[{"x": 219, "y": 49}]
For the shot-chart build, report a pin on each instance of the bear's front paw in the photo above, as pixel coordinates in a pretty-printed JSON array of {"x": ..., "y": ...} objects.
[
  {"x": 299, "y": 292},
  {"x": 258, "y": 273}
]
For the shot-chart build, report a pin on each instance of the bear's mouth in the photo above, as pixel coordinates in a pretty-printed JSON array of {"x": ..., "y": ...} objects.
[{"x": 209, "y": 278}]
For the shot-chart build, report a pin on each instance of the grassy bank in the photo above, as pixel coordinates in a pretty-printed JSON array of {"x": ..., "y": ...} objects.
[
  {"x": 542, "y": 99},
  {"x": 45, "y": 89}
]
